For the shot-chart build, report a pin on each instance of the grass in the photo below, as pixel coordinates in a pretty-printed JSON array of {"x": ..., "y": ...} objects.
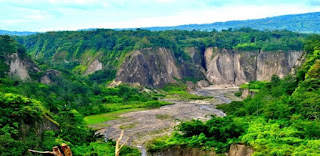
[
  {"x": 100, "y": 118},
  {"x": 128, "y": 126},
  {"x": 254, "y": 85},
  {"x": 117, "y": 109},
  {"x": 183, "y": 95},
  {"x": 254, "y": 90},
  {"x": 163, "y": 116}
]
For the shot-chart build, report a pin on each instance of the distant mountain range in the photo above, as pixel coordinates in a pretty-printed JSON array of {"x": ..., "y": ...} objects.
[
  {"x": 19, "y": 33},
  {"x": 304, "y": 23}
]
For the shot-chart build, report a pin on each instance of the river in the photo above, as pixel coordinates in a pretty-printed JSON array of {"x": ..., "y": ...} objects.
[{"x": 142, "y": 126}]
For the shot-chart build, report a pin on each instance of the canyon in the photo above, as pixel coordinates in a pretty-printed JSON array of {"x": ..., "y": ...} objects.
[{"x": 156, "y": 67}]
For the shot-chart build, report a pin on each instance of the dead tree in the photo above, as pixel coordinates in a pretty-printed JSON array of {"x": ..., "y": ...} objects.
[
  {"x": 56, "y": 151},
  {"x": 66, "y": 149},
  {"x": 117, "y": 151}
]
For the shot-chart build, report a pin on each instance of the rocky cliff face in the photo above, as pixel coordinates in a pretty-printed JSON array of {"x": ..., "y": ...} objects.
[
  {"x": 49, "y": 75},
  {"x": 235, "y": 67},
  {"x": 183, "y": 151},
  {"x": 155, "y": 67},
  {"x": 240, "y": 150},
  {"x": 235, "y": 150},
  {"x": 45, "y": 124},
  {"x": 96, "y": 65},
  {"x": 20, "y": 66}
]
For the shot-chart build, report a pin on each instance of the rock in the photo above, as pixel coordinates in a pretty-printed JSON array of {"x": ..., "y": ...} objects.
[
  {"x": 49, "y": 75},
  {"x": 196, "y": 54},
  {"x": 20, "y": 66},
  {"x": 247, "y": 93},
  {"x": 203, "y": 83},
  {"x": 278, "y": 63},
  {"x": 240, "y": 150},
  {"x": 183, "y": 151},
  {"x": 151, "y": 67},
  {"x": 156, "y": 67},
  {"x": 96, "y": 65},
  {"x": 45, "y": 124},
  {"x": 238, "y": 67},
  {"x": 191, "y": 85}
]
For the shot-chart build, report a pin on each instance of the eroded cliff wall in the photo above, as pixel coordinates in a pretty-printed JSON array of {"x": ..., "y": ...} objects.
[
  {"x": 151, "y": 67},
  {"x": 20, "y": 66},
  {"x": 156, "y": 67},
  {"x": 238, "y": 67}
]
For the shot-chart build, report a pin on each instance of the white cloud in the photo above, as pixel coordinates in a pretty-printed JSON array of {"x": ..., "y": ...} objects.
[
  {"x": 44, "y": 15},
  {"x": 210, "y": 15},
  {"x": 165, "y": 1}
]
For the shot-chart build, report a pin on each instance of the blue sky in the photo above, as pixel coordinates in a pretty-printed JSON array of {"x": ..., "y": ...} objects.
[{"x": 49, "y": 15}]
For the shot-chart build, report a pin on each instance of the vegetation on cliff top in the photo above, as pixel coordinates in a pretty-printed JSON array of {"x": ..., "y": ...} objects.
[{"x": 76, "y": 50}]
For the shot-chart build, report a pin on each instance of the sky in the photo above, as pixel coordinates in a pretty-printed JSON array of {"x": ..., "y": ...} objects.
[{"x": 53, "y": 15}]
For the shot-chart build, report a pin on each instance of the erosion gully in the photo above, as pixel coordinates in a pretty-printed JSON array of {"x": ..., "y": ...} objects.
[{"x": 142, "y": 126}]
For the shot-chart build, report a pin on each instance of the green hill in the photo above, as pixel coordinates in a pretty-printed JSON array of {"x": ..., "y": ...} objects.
[{"x": 305, "y": 23}]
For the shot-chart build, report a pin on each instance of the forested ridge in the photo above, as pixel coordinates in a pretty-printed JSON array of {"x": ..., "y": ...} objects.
[{"x": 80, "y": 48}]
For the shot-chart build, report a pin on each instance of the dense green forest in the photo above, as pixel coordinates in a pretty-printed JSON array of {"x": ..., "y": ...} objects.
[{"x": 281, "y": 119}]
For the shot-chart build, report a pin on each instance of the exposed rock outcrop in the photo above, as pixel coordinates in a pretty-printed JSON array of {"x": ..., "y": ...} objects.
[
  {"x": 21, "y": 66},
  {"x": 48, "y": 76},
  {"x": 45, "y": 124},
  {"x": 203, "y": 83},
  {"x": 246, "y": 93},
  {"x": 96, "y": 65},
  {"x": 156, "y": 67},
  {"x": 183, "y": 151},
  {"x": 235, "y": 67},
  {"x": 196, "y": 54},
  {"x": 240, "y": 150},
  {"x": 153, "y": 67}
]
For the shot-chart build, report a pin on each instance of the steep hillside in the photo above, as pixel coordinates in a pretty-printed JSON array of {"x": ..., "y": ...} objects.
[
  {"x": 238, "y": 67},
  {"x": 42, "y": 115},
  {"x": 155, "y": 59},
  {"x": 14, "y": 61},
  {"x": 22, "y": 124},
  {"x": 155, "y": 67},
  {"x": 304, "y": 23}
]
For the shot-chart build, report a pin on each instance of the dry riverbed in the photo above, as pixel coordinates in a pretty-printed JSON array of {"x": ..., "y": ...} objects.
[{"x": 142, "y": 126}]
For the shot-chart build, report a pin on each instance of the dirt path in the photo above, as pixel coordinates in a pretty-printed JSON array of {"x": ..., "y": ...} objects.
[{"x": 143, "y": 126}]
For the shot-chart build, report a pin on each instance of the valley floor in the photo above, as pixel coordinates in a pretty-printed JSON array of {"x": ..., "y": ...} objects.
[{"x": 142, "y": 126}]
